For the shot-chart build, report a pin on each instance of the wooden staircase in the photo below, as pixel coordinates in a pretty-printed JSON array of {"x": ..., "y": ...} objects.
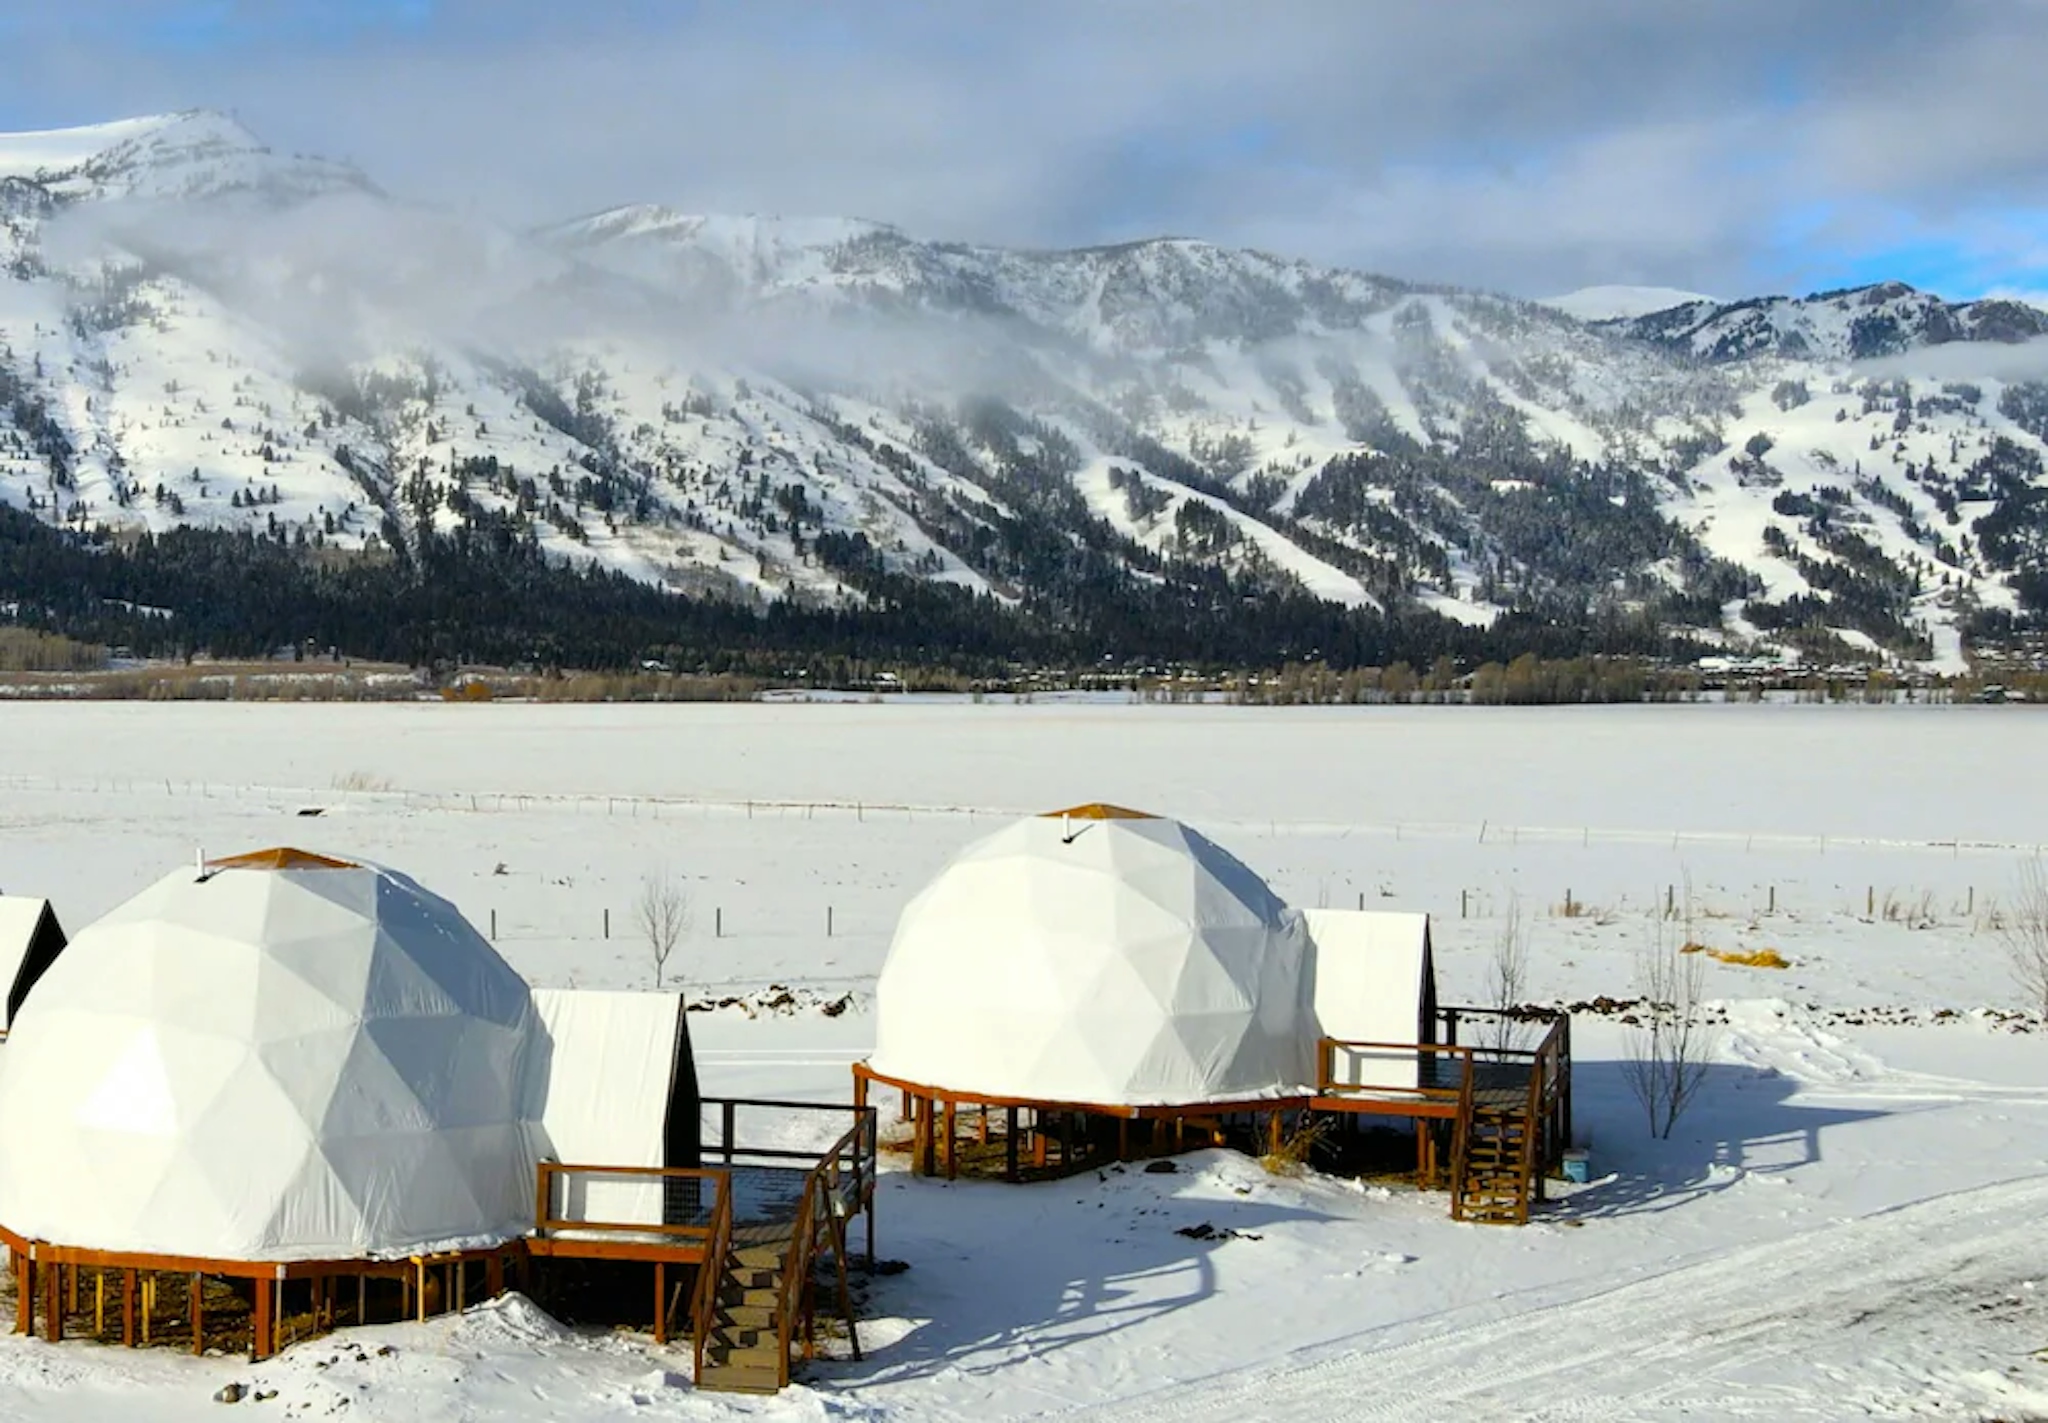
[
  {"x": 745, "y": 1347},
  {"x": 762, "y": 1302},
  {"x": 1494, "y": 1164}
]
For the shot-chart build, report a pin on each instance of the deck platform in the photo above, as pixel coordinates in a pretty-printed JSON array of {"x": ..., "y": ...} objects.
[{"x": 1517, "y": 1099}]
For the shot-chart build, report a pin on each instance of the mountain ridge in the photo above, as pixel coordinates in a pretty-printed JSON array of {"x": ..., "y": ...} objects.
[{"x": 825, "y": 411}]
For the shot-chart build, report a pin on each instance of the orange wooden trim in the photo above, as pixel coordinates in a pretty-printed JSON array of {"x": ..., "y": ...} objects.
[
  {"x": 283, "y": 857},
  {"x": 1156, "y": 1110},
  {"x": 620, "y": 1227},
  {"x": 1098, "y": 810},
  {"x": 702, "y": 1173},
  {"x": 556, "y": 1248},
  {"x": 236, "y": 1269}
]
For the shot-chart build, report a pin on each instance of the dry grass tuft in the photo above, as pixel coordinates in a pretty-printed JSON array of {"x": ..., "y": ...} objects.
[{"x": 1293, "y": 1156}]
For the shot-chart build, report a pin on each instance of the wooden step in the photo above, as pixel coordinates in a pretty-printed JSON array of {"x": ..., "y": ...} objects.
[
  {"x": 745, "y": 1375},
  {"x": 1493, "y": 1185}
]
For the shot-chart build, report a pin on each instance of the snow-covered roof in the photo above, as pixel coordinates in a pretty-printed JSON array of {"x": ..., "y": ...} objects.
[
  {"x": 278, "y": 1058},
  {"x": 1097, "y": 956}
]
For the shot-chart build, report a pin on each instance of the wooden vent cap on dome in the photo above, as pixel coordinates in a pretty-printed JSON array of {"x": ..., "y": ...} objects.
[
  {"x": 281, "y": 858},
  {"x": 1097, "y": 810}
]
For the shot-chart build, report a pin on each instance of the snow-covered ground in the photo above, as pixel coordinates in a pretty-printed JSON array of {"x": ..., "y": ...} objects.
[{"x": 1846, "y": 1225}]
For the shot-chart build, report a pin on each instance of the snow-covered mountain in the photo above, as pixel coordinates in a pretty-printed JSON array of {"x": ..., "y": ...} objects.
[{"x": 195, "y": 329}]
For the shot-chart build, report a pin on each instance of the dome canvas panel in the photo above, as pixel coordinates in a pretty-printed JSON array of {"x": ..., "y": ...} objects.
[
  {"x": 288, "y": 1058},
  {"x": 1112, "y": 960}
]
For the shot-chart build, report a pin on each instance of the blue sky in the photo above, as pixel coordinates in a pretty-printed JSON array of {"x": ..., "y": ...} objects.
[{"x": 1734, "y": 147}]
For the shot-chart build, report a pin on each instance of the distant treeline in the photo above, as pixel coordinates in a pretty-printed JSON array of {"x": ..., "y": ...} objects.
[{"x": 459, "y": 599}]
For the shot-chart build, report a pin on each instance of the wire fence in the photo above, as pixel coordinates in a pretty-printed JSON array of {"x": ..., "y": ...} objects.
[{"x": 313, "y": 801}]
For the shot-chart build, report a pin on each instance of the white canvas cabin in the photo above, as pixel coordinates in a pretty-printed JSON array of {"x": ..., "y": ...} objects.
[
  {"x": 280, "y": 1057},
  {"x": 1097, "y": 957},
  {"x": 622, "y": 1091},
  {"x": 1099, "y": 983},
  {"x": 1375, "y": 992},
  {"x": 296, "y": 1090}
]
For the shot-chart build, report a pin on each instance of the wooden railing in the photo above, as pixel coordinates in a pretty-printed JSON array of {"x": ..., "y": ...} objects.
[
  {"x": 1550, "y": 1062},
  {"x": 704, "y": 1298},
  {"x": 1427, "y": 1055},
  {"x": 1550, "y": 1094},
  {"x": 1461, "y": 1143},
  {"x": 712, "y": 1206},
  {"x": 841, "y": 1184}
]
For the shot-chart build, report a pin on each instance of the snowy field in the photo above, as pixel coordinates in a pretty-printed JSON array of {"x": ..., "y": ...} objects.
[{"x": 1846, "y": 1225}]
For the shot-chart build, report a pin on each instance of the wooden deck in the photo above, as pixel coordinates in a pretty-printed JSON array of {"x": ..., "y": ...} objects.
[
  {"x": 1471, "y": 1102},
  {"x": 732, "y": 1250},
  {"x": 750, "y": 1229}
]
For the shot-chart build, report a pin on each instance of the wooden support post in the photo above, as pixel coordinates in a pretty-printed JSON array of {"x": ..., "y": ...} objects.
[
  {"x": 1273, "y": 1130},
  {"x": 198, "y": 1304},
  {"x": 661, "y": 1300},
  {"x": 1123, "y": 1138},
  {"x": 99, "y": 1304},
  {"x": 71, "y": 1290},
  {"x": 25, "y": 1293},
  {"x": 952, "y": 1143},
  {"x": 1037, "y": 1139},
  {"x": 264, "y": 1318},
  {"x": 984, "y": 1124},
  {"x": 148, "y": 1302},
  {"x": 362, "y": 1300},
  {"x": 53, "y": 1303},
  {"x": 494, "y": 1274},
  {"x": 128, "y": 1292},
  {"x": 930, "y": 1155},
  {"x": 1009, "y": 1143},
  {"x": 420, "y": 1287}
]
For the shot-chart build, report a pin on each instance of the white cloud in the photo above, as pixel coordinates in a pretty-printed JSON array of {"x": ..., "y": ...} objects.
[{"x": 1492, "y": 142}]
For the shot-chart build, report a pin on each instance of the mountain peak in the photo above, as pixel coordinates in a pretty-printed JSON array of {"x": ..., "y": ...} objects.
[
  {"x": 1618, "y": 303},
  {"x": 46, "y": 154},
  {"x": 193, "y": 153},
  {"x": 751, "y": 231}
]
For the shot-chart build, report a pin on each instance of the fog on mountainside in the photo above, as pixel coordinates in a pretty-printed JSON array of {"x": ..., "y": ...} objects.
[{"x": 829, "y": 414}]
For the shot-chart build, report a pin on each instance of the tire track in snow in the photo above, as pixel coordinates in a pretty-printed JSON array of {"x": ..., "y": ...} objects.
[{"x": 1670, "y": 1342}]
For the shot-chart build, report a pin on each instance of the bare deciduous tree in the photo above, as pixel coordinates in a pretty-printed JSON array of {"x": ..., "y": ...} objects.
[
  {"x": 1507, "y": 976},
  {"x": 663, "y": 913},
  {"x": 1670, "y": 1044},
  {"x": 2025, "y": 934}
]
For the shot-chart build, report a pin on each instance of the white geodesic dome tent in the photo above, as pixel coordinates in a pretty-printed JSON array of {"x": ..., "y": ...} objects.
[
  {"x": 277, "y": 1057},
  {"x": 1097, "y": 956}
]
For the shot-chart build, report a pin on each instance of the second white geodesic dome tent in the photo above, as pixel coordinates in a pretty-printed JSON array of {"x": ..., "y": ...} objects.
[
  {"x": 277, "y": 1057},
  {"x": 1097, "y": 956}
]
